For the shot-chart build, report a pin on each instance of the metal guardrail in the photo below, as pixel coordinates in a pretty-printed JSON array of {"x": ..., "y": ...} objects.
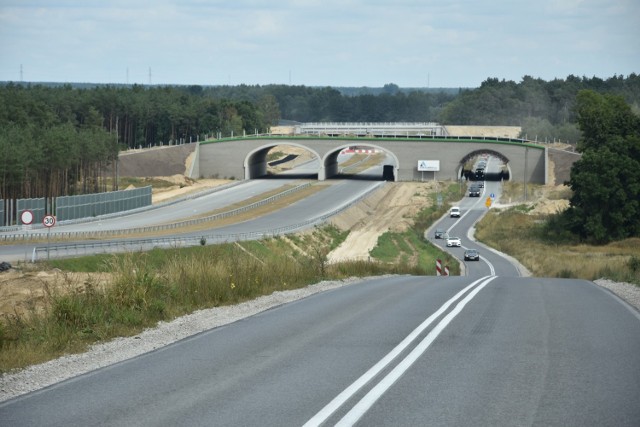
[
  {"x": 153, "y": 228},
  {"x": 78, "y": 249}
]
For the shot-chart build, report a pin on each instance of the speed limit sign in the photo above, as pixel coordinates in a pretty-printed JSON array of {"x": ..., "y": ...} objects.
[
  {"x": 49, "y": 221},
  {"x": 26, "y": 217}
]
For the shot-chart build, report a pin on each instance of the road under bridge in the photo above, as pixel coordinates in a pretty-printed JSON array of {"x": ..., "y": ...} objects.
[{"x": 246, "y": 158}]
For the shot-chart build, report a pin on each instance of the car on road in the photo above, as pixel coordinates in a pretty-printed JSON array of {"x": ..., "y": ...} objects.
[
  {"x": 454, "y": 212},
  {"x": 453, "y": 241},
  {"x": 439, "y": 234},
  {"x": 471, "y": 255},
  {"x": 480, "y": 184},
  {"x": 474, "y": 191}
]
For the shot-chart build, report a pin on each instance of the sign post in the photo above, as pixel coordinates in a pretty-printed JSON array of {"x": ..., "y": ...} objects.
[{"x": 48, "y": 221}]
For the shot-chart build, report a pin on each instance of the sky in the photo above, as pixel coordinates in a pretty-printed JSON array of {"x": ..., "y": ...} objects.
[{"x": 339, "y": 43}]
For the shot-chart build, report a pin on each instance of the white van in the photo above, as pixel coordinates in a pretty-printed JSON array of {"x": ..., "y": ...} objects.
[{"x": 454, "y": 212}]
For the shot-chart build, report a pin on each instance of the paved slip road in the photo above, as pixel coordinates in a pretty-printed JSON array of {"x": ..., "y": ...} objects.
[{"x": 505, "y": 351}]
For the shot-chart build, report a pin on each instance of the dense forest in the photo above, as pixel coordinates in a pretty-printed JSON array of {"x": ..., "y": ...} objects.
[
  {"x": 605, "y": 205},
  {"x": 62, "y": 139}
]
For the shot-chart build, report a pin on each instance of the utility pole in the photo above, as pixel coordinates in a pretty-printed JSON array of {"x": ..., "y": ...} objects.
[
  {"x": 526, "y": 151},
  {"x": 149, "y": 76},
  {"x": 20, "y": 73}
]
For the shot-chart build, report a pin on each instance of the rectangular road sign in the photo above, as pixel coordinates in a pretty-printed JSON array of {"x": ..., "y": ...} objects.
[{"x": 428, "y": 165}]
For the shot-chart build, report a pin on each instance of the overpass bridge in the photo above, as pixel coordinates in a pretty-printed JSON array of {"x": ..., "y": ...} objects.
[{"x": 246, "y": 157}]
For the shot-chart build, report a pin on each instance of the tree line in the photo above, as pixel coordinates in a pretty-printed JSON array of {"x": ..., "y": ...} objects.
[
  {"x": 58, "y": 141},
  {"x": 62, "y": 139},
  {"x": 605, "y": 205}
]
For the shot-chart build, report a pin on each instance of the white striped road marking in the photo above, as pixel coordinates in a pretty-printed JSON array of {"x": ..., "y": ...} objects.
[
  {"x": 376, "y": 392},
  {"x": 340, "y": 399}
]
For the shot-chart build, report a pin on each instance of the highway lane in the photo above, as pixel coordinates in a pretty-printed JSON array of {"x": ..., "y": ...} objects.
[
  {"x": 472, "y": 210},
  {"x": 189, "y": 208},
  {"x": 336, "y": 193},
  {"x": 400, "y": 351}
]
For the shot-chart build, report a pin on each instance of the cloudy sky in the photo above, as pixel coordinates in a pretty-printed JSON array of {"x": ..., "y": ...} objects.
[{"x": 412, "y": 43}]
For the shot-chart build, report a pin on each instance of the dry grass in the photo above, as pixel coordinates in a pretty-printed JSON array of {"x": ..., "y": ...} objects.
[{"x": 518, "y": 233}]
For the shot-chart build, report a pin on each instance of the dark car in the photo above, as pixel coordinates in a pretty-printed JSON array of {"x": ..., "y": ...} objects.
[
  {"x": 474, "y": 191},
  {"x": 439, "y": 234},
  {"x": 471, "y": 255}
]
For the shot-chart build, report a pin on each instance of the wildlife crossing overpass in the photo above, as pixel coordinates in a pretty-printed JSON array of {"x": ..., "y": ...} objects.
[{"x": 246, "y": 157}]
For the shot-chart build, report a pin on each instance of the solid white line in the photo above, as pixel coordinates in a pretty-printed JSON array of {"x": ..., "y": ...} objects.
[
  {"x": 339, "y": 400},
  {"x": 376, "y": 392}
]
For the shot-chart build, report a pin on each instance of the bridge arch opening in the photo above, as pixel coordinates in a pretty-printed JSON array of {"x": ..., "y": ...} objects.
[
  {"x": 484, "y": 165},
  {"x": 361, "y": 161},
  {"x": 284, "y": 161},
  {"x": 348, "y": 161}
]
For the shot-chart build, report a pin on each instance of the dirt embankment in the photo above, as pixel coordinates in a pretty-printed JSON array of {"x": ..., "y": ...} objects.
[
  {"x": 391, "y": 208},
  {"x": 158, "y": 161}
]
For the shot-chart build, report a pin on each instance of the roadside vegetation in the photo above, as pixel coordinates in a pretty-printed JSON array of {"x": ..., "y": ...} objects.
[
  {"x": 598, "y": 236},
  {"x": 523, "y": 235},
  {"x": 160, "y": 285}
]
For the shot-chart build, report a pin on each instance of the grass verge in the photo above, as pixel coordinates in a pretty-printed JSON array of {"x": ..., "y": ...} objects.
[
  {"x": 161, "y": 285},
  {"x": 519, "y": 233}
]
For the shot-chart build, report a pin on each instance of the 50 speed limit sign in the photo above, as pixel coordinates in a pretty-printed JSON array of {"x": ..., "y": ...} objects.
[{"x": 49, "y": 221}]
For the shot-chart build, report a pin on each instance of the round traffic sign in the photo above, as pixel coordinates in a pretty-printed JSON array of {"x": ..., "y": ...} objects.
[
  {"x": 26, "y": 217},
  {"x": 49, "y": 221}
]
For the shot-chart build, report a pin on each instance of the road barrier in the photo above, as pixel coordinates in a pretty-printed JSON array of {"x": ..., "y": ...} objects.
[
  {"x": 149, "y": 229},
  {"x": 130, "y": 245}
]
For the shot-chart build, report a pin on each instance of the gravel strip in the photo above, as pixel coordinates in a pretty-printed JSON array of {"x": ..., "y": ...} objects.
[
  {"x": 101, "y": 355},
  {"x": 629, "y": 292}
]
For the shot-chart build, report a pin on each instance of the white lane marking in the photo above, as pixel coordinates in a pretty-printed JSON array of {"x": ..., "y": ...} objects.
[
  {"x": 339, "y": 400},
  {"x": 376, "y": 392},
  {"x": 491, "y": 269}
]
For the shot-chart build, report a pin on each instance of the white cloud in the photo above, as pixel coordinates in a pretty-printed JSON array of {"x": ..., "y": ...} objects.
[{"x": 328, "y": 42}]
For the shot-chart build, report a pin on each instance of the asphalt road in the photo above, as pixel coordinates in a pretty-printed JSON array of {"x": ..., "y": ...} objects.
[
  {"x": 490, "y": 348},
  {"x": 399, "y": 351},
  {"x": 472, "y": 209},
  {"x": 336, "y": 194}
]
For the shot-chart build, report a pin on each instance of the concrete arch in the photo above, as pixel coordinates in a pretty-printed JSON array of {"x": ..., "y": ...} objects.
[
  {"x": 330, "y": 159},
  {"x": 246, "y": 157},
  {"x": 255, "y": 162},
  {"x": 480, "y": 152},
  {"x": 494, "y": 153}
]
